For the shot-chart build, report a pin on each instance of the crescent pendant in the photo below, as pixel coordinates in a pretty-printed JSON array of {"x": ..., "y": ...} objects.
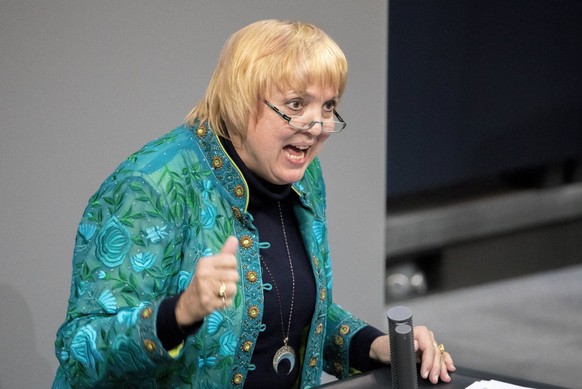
[{"x": 285, "y": 352}]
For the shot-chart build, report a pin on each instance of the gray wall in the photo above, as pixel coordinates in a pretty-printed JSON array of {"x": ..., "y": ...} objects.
[{"x": 85, "y": 83}]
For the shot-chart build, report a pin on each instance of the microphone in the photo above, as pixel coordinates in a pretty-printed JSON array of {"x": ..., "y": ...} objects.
[{"x": 403, "y": 369}]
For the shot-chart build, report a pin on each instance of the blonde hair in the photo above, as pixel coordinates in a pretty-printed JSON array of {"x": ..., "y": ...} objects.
[{"x": 263, "y": 55}]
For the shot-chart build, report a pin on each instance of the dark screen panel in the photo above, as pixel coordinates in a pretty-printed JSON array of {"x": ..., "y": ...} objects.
[{"x": 480, "y": 88}]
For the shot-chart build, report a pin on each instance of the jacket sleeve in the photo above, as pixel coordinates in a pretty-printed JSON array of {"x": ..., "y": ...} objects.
[
  {"x": 341, "y": 328},
  {"x": 126, "y": 257}
]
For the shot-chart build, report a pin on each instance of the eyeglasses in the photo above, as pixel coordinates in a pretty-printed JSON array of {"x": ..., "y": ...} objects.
[{"x": 296, "y": 122}]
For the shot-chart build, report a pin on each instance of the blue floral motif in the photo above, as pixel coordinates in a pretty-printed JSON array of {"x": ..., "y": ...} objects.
[
  {"x": 214, "y": 320},
  {"x": 64, "y": 356},
  {"x": 107, "y": 301},
  {"x": 206, "y": 362},
  {"x": 84, "y": 348},
  {"x": 208, "y": 216},
  {"x": 201, "y": 251},
  {"x": 318, "y": 230},
  {"x": 228, "y": 343},
  {"x": 82, "y": 287},
  {"x": 142, "y": 261},
  {"x": 183, "y": 280},
  {"x": 155, "y": 233},
  {"x": 101, "y": 275},
  {"x": 112, "y": 243},
  {"x": 127, "y": 318},
  {"x": 87, "y": 231},
  {"x": 207, "y": 189}
]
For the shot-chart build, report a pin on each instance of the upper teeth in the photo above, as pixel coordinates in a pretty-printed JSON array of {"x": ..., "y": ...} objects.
[{"x": 302, "y": 147}]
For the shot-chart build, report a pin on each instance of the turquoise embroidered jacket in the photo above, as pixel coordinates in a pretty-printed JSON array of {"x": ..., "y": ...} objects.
[{"x": 139, "y": 240}]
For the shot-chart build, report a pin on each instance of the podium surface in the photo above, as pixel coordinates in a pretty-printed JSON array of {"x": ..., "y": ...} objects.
[{"x": 461, "y": 379}]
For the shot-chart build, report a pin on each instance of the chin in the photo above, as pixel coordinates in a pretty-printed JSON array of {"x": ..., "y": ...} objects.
[
  {"x": 296, "y": 177},
  {"x": 289, "y": 178}
]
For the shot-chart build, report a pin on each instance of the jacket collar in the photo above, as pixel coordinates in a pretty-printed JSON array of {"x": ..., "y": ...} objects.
[{"x": 228, "y": 169}]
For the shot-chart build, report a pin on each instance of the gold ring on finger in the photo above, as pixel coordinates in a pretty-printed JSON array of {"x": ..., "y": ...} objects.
[
  {"x": 222, "y": 293},
  {"x": 441, "y": 348}
]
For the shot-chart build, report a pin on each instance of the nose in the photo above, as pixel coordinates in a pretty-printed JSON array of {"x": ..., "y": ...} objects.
[
  {"x": 316, "y": 127},
  {"x": 316, "y": 124}
]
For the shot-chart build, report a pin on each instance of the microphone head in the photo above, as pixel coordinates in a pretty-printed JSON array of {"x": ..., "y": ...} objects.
[{"x": 400, "y": 314}]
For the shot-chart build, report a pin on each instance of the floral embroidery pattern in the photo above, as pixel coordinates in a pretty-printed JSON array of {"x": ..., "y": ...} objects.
[
  {"x": 183, "y": 280},
  {"x": 318, "y": 231},
  {"x": 87, "y": 231},
  {"x": 127, "y": 318},
  {"x": 228, "y": 343},
  {"x": 208, "y": 216},
  {"x": 107, "y": 301},
  {"x": 142, "y": 261},
  {"x": 214, "y": 321},
  {"x": 112, "y": 243},
  {"x": 155, "y": 234},
  {"x": 84, "y": 348},
  {"x": 206, "y": 362}
]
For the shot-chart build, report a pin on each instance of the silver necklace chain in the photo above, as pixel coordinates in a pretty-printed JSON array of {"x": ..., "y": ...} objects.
[{"x": 285, "y": 337}]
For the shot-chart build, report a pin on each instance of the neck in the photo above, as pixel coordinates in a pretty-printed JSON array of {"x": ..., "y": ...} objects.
[{"x": 258, "y": 187}]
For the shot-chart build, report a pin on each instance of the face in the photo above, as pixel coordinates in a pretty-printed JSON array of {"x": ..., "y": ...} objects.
[{"x": 277, "y": 152}]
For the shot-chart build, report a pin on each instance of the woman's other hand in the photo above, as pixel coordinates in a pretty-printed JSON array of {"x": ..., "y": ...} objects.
[{"x": 434, "y": 363}]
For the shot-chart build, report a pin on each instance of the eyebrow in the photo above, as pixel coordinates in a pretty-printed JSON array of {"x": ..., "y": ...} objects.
[{"x": 308, "y": 97}]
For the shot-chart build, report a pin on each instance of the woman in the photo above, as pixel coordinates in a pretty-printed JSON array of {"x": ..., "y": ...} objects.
[{"x": 203, "y": 260}]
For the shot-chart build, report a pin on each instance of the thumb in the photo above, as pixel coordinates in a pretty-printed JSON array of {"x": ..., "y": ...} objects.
[{"x": 230, "y": 246}]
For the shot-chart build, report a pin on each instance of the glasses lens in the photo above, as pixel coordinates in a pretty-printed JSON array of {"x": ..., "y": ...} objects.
[
  {"x": 332, "y": 126},
  {"x": 327, "y": 126},
  {"x": 300, "y": 124}
]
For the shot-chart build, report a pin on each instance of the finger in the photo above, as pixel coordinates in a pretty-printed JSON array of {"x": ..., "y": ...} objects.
[
  {"x": 227, "y": 299},
  {"x": 427, "y": 349},
  {"x": 437, "y": 365},
  {"x": 227, "y": 256},
  {"x": 449, "y": 362},
  {"x": 444, "y": 374},
  {"x": 211, "y": 271},
  {"x": 230, "y": 246},
  {"x": 230, "y": 289},
  {"x": 430, "y": 364},
  {"x": 229, "y": 276},
  {"x": 443, "y": 364}
]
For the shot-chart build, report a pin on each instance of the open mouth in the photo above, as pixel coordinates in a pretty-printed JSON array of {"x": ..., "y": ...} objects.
[{"x": 296, "y": 153}]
